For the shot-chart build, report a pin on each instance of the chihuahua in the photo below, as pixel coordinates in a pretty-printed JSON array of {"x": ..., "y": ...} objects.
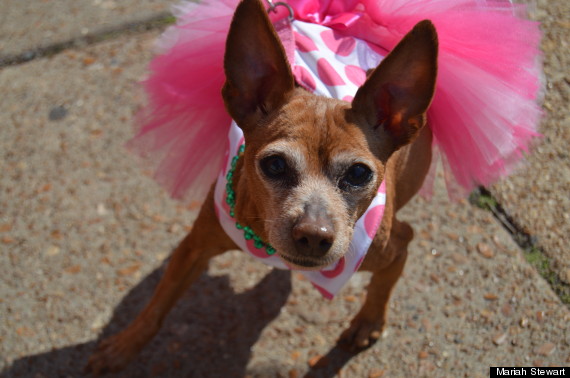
[{"x": 310, "y": 170}]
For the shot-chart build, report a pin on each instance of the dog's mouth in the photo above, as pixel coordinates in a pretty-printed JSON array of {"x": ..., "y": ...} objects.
[{"x": 304, "y": 263}]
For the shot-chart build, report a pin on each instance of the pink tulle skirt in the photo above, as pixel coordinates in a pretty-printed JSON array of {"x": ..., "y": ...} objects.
[{"x": 483, "y": 117}]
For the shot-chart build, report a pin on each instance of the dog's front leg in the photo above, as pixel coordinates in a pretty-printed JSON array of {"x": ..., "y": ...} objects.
[
  {"x": 367, "y": 325},
  {"x": 188, "y": 261}
]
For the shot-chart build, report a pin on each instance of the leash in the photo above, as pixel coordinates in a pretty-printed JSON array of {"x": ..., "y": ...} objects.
[
  {"x": 283, "y": 27},
  {"x": 273, "y": 8}
]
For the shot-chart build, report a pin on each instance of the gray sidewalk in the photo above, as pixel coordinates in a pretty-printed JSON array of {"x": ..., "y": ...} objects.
[
  {"x": 538, "y": 196},
  {"x": 26, "y": 26},
  {"x": 84, "y": 232}
]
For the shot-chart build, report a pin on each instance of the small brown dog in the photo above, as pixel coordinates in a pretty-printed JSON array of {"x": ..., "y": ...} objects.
[{"x": 312, "y": 166}]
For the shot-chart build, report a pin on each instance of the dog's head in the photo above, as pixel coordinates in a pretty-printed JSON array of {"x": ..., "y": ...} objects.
[{"x": 316, "y": 163}]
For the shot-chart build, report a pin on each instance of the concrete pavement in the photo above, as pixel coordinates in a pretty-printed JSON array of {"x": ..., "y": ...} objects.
[
  {"x": 537, "y": 197},
  {"x": 84, "y": 232},
  {"x": 35, "y": 24}
]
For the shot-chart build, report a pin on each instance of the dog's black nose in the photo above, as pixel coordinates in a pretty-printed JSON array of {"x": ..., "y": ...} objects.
[
  {"x": 313, "y": 233},
  {"x": 312, "y": 240}
]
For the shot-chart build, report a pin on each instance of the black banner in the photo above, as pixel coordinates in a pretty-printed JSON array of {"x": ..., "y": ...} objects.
[{"x": 529, "y": 372}]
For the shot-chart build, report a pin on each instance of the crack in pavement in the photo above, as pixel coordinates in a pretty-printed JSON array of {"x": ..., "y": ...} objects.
[
  {"x": 535, "y": 256},
  {"x": 155, "y": 22}
]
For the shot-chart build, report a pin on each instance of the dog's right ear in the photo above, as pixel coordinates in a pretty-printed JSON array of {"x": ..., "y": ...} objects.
[
  {"x": 258, "y": 76},
  {"x": 396, "y": 96}
]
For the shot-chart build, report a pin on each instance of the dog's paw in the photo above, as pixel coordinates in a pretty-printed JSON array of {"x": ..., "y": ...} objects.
[
  {"x": 361, "y": 334},
  {"x": 111, "y": 355}
]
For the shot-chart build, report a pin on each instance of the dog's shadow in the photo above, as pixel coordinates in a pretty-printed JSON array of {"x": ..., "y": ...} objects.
[{"x": 209, "y": 333}]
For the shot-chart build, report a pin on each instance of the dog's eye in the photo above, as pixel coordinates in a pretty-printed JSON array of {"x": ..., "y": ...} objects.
[
  {"x": 274, "y": 167},
  {"x": 357, "y": 175}
]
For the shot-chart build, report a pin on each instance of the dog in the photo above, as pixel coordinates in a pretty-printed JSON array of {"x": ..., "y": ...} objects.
[{"x": 310, "y": 169}]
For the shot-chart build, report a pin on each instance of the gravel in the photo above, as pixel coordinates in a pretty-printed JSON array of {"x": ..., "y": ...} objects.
[
  {"x": 84, "y": 233},
  {"x": 537, "y": 196}
]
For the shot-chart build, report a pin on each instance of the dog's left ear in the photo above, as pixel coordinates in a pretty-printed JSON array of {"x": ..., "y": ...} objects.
[
  {"x": 395, "y": 97},
  {"x": 258, "y": 76}
]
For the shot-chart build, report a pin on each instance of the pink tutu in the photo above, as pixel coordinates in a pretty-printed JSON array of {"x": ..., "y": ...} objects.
[{"x": 484, "y": 114}]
